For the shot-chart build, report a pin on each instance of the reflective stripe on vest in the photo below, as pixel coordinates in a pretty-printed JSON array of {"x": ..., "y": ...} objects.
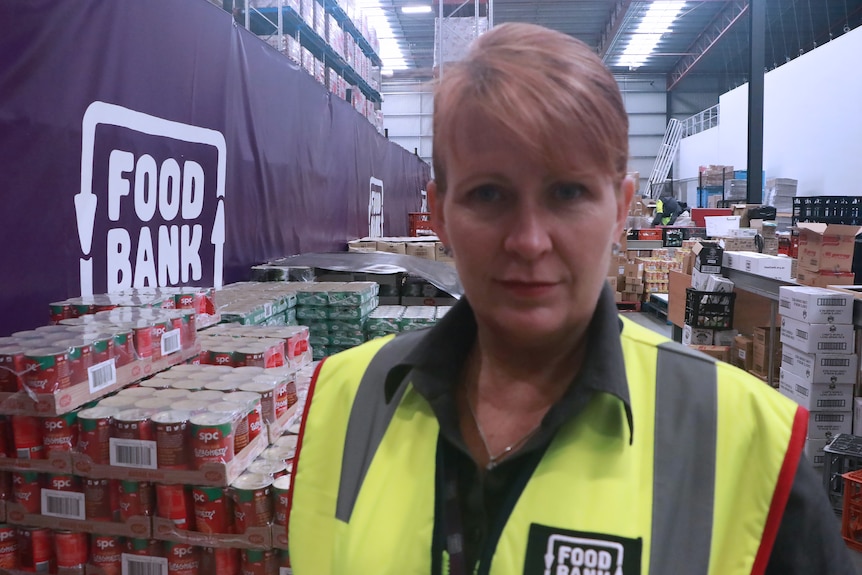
[
  {"x": 684, "y": 471},
  {"x": 369, "y": 418}
]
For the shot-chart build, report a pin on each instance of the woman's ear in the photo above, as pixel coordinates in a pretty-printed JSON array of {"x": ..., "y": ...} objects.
[{"x": 438, "y": 220}]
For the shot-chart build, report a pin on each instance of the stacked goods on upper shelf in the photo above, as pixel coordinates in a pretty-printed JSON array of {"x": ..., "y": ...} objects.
[
  {"x": 391, "y": 319},
  {"x": 780, "y": 193},
  {"x": 335, "y": 313},
  {"x": 258, "y": 303},
  {"x": 260, "y": 346},
  {"x": 818, "y": 365}
]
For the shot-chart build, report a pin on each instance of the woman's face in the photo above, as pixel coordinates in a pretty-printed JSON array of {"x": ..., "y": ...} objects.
[{"x": 531, "y": 243}]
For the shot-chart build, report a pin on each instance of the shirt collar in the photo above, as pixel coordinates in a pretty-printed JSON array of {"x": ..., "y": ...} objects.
[{"x": 443, "y": 351}]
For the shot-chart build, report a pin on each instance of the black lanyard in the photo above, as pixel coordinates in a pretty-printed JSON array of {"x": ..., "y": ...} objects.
[{"x": 452, "y": 522}]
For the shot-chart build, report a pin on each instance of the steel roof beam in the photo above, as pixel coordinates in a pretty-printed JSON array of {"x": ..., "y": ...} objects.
[
  {"x": 723, "y": 22},
  {"x": 612, "y": 28}
]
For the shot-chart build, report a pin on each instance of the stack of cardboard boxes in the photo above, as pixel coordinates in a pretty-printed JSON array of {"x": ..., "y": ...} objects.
[
  {"x": 818, "y": 365},
  {"x": 826, "y": 254}
]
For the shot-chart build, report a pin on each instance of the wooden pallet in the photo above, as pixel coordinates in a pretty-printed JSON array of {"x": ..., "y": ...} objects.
[{"x": 628, "y": 306}]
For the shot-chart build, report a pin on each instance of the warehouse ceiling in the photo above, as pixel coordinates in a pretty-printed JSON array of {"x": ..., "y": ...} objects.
[{"x": 705, "y": 39}]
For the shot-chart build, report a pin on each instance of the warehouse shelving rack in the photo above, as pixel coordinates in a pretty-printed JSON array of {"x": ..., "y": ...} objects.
[{"x": 282, "y": 19}]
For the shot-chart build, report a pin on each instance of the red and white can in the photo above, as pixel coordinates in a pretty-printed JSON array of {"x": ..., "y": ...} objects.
[
  {"x": 264, "y": 386},
  {"x": 8, "y": 546},
  {"x": 238, "y": 412},
  {"x": 251, "y": 494},
  {"x": 27, "y": 490},
  {"x": 258, "y": 562},
  {"x": 12, "y": 366},
  {"x": 94, "y": 432},
  {"x": 136, "y": 498},
  {"x": 97, "y": 499},
  {"x": 281, "y": 494},
  {"x": 80, "y": 357},
  {"x": 213, "y": 437},
  {"x": 212, "y": 510},
  {"x": 133, "y": 424},
  {"x": 46, "y": 369},
  {"x": 60, "y": 432},
  {"x": 274, "y": 469},
  {"x": 173, "y": 432},
  {"x": 221, "y": 560},
  {"x": 64, "y": 482},
  {"x": 36, "y": 550},
  {"x": 72, "y": 551},
  {"x": 27, "y": 437},
  {"x": 254, "y": 415},
  {"x": 174, "y": 502},
  {"x": 183, "y": 559},
  {"x": 106, "y": 554}
]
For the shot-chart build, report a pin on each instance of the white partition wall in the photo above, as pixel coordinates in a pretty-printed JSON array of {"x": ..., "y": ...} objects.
[{"x": 812, "y": 123}]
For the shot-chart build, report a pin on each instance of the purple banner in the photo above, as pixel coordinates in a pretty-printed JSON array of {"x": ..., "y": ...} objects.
[{"x": 154, "y": 142}]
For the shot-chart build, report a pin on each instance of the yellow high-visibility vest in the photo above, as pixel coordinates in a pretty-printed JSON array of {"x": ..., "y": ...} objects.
[{"x": 699, "y": 487}]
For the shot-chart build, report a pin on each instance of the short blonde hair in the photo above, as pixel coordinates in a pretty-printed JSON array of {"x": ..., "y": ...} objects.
[{"x": 541, "y": 85}]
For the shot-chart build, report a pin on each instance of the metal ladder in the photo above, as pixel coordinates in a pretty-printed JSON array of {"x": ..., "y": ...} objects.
[{"x": 664, "y": 158}]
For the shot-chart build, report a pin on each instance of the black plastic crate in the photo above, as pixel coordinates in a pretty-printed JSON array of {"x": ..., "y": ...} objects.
[
  {"x": 828, "y": 210},
  {"x": 712, "y": 309},
  {"x": 842, "y": 455}
]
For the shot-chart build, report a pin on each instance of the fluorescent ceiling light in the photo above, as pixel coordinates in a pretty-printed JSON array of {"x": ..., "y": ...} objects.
[
  {"x": 390, "y": 51},
  {"x": 656, "y": 22},
  {"x": 416, "y": 9}
]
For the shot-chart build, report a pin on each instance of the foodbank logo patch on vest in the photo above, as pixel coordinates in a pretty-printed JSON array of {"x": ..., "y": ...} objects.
[{"x": 554, "y": 551}]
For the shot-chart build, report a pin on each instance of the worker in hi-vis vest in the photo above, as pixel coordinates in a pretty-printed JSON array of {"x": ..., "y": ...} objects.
[
  {"x": 534, "y": 430},
  {"x": 667, "y": 210}
]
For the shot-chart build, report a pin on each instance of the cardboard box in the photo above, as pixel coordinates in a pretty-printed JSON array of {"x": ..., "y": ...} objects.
[
  {"x": 707, "y": 257},
  {"x": 696, "y": 336},
  {"x": 719, "y": 284},
  {"x": 677, "y": 284},
  {"x": 635, "y": 270},
  {"x": 724, "y": 337},
  {"x": 744, "y": 352},
  {"x": 424, "y": 250},
  {"x": 442, "y": 253},
  {"x": 362, "y": 246},
  {"x": 827, "y": 424},
  {"x": 253, "y": 538},
  {"x": 827, "y": 247},
  {"x": 719, "y": 352},
  {"x": 815, "y": 304},
  {"x": 210, "y": 474},
  {"x": 785, "y": 387},
  {"x": 818, "y": 396},
  {"x": 699, "y": 279},
  {"x": 813, "y": 450},
  {"x": 824, "y": 279},
  {"x": 817, "y": 337},
  {"x": 820, "y": 367},
  {"x": 137, "y": 527},
  {"x": 392, "y": 247},
  {"x": 857, "y": 416}
]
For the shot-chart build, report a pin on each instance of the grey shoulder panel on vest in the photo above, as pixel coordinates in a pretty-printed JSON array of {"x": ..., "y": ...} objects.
[
  {"x": 686, "y": 420},
  {"x": 369, "y": 417}
]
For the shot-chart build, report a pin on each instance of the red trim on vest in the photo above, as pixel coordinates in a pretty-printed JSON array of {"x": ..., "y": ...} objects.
[
  {"x": 782, "y": 490},
  {"x": 299, "y": 442}
]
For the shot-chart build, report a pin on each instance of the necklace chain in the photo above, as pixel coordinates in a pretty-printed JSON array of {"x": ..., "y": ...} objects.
[{"x": 494, "y": 460}]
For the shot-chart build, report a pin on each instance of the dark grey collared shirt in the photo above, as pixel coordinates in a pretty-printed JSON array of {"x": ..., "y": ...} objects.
[{"x": 485, "y": 496}]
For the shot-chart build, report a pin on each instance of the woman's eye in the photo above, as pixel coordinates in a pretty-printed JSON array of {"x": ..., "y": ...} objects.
[
  {"x": 486, "y": 193},
  {"x": 569, "y": 191}
]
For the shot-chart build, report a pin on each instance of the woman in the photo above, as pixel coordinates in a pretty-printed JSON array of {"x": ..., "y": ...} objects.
[{"x": 532, "y": 430}]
